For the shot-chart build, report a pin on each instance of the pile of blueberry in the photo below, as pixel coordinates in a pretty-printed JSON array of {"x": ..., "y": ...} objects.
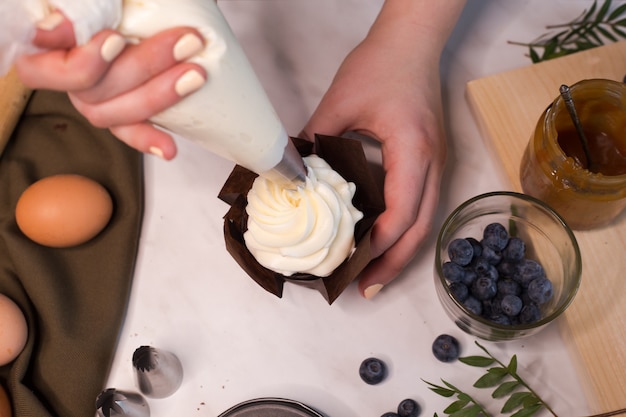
[{"x": 493, "y": 278}]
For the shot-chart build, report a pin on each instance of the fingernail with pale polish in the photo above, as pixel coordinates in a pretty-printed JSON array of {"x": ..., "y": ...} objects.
[
  {"x": 50, "y": 22},
  {"x": 372, "y": 290},
  {"x": 112, "y": 47},
  {"x": 156, "y": 152},
  {"x": 187, "y": 46},
  {"x": 189, "y": 82}
]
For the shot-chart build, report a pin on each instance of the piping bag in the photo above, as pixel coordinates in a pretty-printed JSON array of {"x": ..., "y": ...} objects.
[{"x": 230, "y": 115}]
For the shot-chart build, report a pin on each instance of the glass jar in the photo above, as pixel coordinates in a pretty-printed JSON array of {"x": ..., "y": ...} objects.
[{"x": 554, "y": 168}]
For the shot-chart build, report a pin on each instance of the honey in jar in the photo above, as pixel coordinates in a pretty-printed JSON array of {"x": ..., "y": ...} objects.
[{"x": 555, "y": 168}]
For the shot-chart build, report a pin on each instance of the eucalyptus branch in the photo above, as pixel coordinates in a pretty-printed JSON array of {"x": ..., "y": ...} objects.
[
  {"x": 464, "y": 404},
  {"x": 524, "y": 403},
  {"x": 511, "y": 370},
  {"x": 588, "y": 30}
]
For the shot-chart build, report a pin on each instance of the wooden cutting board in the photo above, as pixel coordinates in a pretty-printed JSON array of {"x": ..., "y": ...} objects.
[
  {"x": 13, "y": 97},
  {"x": 506, "y": 107}
]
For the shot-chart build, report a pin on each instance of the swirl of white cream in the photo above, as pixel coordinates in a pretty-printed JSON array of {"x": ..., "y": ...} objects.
[{"x": 307, "y": 230}]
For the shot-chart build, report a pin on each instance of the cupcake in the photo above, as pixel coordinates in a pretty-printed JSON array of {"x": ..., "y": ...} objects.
[{"x": 273, "y": 250}]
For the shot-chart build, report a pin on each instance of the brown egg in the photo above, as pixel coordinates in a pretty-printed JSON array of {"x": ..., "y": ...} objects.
[
  {"x": 13, "y": 330},
  {"x": 63, "y": 210},
  {"x": 5, "y": 403}
]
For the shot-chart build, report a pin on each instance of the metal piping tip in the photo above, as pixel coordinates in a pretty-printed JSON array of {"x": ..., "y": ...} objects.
[
  {"x": 290, "y": 171},
  {"x": 159, "y": 373},
  {"x": 114, "y": 403}
]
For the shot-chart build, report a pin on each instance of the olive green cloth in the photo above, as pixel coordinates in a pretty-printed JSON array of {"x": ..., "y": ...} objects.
[{"x": 74, "y": 299}]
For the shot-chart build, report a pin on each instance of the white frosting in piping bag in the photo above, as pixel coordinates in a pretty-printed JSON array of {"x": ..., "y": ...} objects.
[{"x": 308, "y": 230}]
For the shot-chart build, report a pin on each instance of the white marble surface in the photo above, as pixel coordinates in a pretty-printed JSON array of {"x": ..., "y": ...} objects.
[{"x": 236, "y": 341}]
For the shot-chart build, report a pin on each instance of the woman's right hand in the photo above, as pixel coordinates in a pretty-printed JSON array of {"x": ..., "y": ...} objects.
[{"x": 114, "y": 84}]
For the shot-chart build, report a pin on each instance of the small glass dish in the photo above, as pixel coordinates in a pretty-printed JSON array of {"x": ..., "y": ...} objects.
[{"x": 548, "y": 240}]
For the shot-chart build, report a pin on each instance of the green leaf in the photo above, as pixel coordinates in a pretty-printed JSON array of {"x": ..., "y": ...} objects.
[
  {"x": 527, "y": 412},
  {"x": 617, "y": 12},
  {"x": 607, "y": 34},
  {"x": 621, "y": 22},
  {"x": 491, "y": 378},
  {"x": 534, "y": 56},
  {"x": 472, "y": 411},
  {"x": 505, "y": 389},
  {"x": 477, "y": 361},
  {"x": 455, "y": 406},
  {"x": 512, "y": 368},
  {"x": 619, "y": 32},
  {"x": 463, "y": 396},
  {"x": 516, "y": 400},
  {"x": 439, "y": 390},
  {"x": 603, "y": 10},
  {"x": 590, "y": 12}
]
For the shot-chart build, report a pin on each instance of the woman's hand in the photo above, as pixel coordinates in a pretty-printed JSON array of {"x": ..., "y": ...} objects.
[
  {"x": 114, "y": 84},
  {"x": 388, "y": 88}
]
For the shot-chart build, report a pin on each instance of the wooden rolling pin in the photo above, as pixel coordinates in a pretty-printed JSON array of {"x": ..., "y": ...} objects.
[{"x": 13, "y": 98}]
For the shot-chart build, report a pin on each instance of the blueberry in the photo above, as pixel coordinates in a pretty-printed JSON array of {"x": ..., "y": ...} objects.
[
  {"x": 446, "y": 348},
  {"x": 507, "y": 269},
  {"x": 409, "y": 408},
  {"x": 511, "y": 305},
  {"x": 473, "y": 305},
  {"x": 373, "y": 371},
  {"x": 469, "y": 277},
  {"x": 540, "y": 290},
  {"x": 484, "y": 269},
  {"x": 460, "y": 252},
  {"x": 484, "y": 288},
  {"x": 495, "y": 236},
  {"x": 530, "y": 313},
  {"x": 493, "y": 256},
  {"x": 501, "y": 319},
  {"x": 389, "y": 415},
  {"x": 459, "y": 291},
  {"x": 507, "y": 286},
  {"x": 527, "y": 271},
  {"x": 452, "y": 272},
  {"x": 515, "y": 250},
  {"x": 478, "y": 249},
  {"x": 492, "y": 307}
]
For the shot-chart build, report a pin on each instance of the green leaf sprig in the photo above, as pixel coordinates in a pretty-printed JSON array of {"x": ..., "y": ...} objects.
[
  {"x": 519, "y": 398},
  {"x": 589, "y": 30}
]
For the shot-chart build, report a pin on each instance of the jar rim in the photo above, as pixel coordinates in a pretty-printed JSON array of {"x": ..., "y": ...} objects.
[{"x": 589, "y": 177}]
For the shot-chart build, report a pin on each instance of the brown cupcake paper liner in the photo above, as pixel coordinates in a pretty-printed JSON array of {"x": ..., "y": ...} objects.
[{"x": 344, "y": 155}]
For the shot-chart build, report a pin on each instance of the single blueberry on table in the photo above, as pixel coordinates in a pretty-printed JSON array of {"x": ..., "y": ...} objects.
[
  {"x": 446, "y": 348},
  {"x": 373, "y": 371},
  {"x": 460, "y": 251},
  {"x": 515, "y": 250},
  {"x": 484, "y": 288},
  {"x": 459, "y": 291},
  {"x": 511, "y": 305},
  {"x": 495, "y": 236},
  {"x": 409, "y": 408},
  {"x": 452, "y": 272},
  {"x": 540, "y": 290},
  {"x": 390, "y": 414}
]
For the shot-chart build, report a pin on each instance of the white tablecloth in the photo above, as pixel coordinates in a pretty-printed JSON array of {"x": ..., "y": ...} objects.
[{"x": 238, "y": 342}]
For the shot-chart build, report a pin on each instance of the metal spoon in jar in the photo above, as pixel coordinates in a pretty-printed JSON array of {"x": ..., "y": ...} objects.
[{"x": 571, "y": 109}]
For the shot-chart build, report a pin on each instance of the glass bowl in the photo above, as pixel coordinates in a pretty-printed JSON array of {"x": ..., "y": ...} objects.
[{"x": 548, "y": 241}]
